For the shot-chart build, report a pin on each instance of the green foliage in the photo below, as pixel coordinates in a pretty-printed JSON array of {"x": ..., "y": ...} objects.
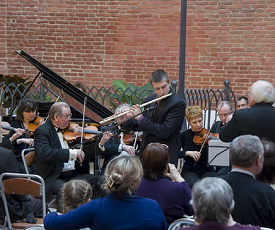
[
  {"x": 46, "y": 97},
  {"x": 129, "y": 93}
]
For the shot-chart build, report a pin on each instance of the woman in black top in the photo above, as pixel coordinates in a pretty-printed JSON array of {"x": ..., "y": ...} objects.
[{"x": 195, "y": 161}]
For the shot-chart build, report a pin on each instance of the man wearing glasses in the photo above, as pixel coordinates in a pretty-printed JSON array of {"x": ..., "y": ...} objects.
[
  {"x": 55, "y": 162},
  {"x": 225, "y": 112}
]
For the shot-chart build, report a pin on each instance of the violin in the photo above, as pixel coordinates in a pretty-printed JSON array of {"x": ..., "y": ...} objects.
[
  {"x": 202, "y": 137},
  {"x": 74, "y": 131},
  {"x": 130, "y": 138},
  {"x": 35, "y": 124}
]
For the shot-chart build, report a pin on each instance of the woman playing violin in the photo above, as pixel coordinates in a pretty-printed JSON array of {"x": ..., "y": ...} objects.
[
  {"x": 195, "y": 157},
  {"x": 26, "y": 114}
]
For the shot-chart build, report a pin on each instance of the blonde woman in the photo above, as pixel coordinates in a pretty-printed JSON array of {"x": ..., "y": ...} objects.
[{"x": 195, "y": 165}]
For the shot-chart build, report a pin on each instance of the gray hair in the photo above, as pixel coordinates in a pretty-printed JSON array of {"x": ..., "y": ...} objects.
[
  {"x": 57, "y": 109},
  {"x": 118, "y": 109},
  {"x": 262, "y": 91},
  {"x": 121, "y": 172},
  {"x": 225, "y": 103},
  {"x": 212, "y": 200},
  {"x": 244, "y": 150}
]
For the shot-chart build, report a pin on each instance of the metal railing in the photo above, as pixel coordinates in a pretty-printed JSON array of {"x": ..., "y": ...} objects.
[{"x": 208, "y": 99}]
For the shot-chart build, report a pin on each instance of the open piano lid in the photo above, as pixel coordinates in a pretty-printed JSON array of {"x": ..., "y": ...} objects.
[{"x": 68, "y": 92}]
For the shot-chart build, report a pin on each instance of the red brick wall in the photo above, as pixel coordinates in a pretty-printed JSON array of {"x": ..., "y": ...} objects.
[
  {"x": 98, "y": 41},
  {"x": 230, "y": 40}
]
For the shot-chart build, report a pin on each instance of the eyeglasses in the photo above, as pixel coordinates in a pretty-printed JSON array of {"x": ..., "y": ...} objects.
[
  {"x": 67, "y": 116},
  {"x": 224, "y": 115}
]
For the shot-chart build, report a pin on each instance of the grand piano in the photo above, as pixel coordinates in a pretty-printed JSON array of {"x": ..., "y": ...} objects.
[{"x": 94, "y": 111}]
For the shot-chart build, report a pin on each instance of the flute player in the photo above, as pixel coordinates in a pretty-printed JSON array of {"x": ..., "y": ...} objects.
[{"x": 161, "y": 121}]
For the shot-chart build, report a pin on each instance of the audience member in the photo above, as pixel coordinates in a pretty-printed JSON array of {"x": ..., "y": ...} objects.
[
  {"x": 74, "y": 194},
  {"x": 255, "y": 200},
  {"x": 213, "y": 202},
  {"x": 259, "y": 120},
  {"x": 242, "y": 103},
  {"x": 161, "y": 121},
  {"x": 267, "y": 174},
  {"x": 195, "y": 157},
  {"x": 55, "y": 162},
  {"x": 121, "y": 209},
  {"x": 172, "y": 196}
]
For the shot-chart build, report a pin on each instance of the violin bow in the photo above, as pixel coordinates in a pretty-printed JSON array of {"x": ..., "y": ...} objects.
[{"x": 83, "y": 122}]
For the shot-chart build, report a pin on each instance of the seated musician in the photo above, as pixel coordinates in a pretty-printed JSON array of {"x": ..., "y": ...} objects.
[
  {"x": 111, "y": 146},
  {"x": 25, "y": 114},
  {"x": 195, "y": 154},
  {"x": 242, "y": 103},
  {"x": 55, "y": 162},
  {"x": 7, "y": 142},
  {"x": 225, "y": 113}
]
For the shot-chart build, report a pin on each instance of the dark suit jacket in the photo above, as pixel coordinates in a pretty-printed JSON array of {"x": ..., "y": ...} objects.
[
  {"x": 162, "y": 124},
  {"x": 19, "y": 206},
  {"x": 258, "y": 120},
  {"x": 50, "y": 157},
  {"x": 254, "y": 200}
]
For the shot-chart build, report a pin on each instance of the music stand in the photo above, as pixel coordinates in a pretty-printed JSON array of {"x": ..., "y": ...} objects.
[{"x": 218, "y": 153}]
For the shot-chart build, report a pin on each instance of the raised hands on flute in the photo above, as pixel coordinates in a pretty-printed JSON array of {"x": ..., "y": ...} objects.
[{"x": 133, "y": 109}]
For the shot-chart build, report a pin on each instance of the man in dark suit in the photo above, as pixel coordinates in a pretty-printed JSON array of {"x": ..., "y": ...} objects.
[
  {"x": 163, "y": 122},
  {"x": 254, "y": 200},
  {"x": 55, "y": 162},
  {"x": 258, "y": 120},
  {"x": 19, "y": 206}
]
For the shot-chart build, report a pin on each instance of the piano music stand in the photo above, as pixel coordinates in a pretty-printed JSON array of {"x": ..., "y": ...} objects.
[{"x": 218, "y": 153}]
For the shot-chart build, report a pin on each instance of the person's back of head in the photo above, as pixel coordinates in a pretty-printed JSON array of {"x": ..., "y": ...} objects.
[
  {"x": 155, "y": 158},
  {"x": 267, "y": 174},
  {"x": 75, "y": 193},
  {"x": 123, "y": 174},
  {"x": 245, "y": 150},
  {"x": 212, "y": 200},
  {"x": 262, "y": 92}
]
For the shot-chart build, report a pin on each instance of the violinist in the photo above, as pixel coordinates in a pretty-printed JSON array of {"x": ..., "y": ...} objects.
[
  {"x": 55, "y": 162},
  {"x": 111, "y": 145},
  {"x": 26, "y": 113},
  {"x": 195, "y": 156}
]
